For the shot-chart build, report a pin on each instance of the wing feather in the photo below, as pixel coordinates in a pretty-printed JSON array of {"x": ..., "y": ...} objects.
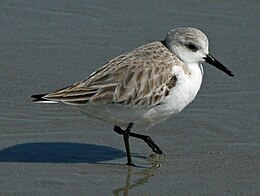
[{"x": 141, "y": 77}]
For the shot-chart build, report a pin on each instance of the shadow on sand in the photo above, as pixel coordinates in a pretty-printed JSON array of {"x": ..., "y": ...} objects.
[{"x": 59, "y": 152}]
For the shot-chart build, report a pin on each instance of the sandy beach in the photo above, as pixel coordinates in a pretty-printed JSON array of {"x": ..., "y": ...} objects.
[{"x": 211, "y": 148}]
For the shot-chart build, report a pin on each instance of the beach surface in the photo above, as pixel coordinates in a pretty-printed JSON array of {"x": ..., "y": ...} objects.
[{"x": 211, "y": 148}]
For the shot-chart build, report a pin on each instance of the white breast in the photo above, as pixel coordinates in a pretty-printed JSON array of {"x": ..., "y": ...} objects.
[
  {"x": 180, "y": 96},
  {"x": 187, "y": 86}
]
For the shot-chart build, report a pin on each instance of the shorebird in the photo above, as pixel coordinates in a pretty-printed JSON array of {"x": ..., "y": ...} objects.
[{"x": 142, "y": 87}]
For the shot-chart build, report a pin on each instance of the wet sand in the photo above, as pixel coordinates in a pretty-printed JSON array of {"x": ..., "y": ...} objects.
[{"x": 212, "y": 147}]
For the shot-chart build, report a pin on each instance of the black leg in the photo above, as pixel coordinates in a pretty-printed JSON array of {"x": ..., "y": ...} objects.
[
  {"x": 146, "y": 138},
  {"x": 126, "y": 134},
  {"x": 127, "y": 147},
  {"x": 149, "y": 141}
]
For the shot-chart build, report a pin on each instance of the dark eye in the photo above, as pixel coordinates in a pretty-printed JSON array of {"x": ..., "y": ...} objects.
[{"x": 192, "y": 47}]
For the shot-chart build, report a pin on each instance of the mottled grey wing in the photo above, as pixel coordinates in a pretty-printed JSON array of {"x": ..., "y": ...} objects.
[{"x": 141, "y": 77}]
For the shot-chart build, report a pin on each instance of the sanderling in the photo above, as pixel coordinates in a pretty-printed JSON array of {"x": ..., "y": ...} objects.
[{"x": 143, "y": 87}]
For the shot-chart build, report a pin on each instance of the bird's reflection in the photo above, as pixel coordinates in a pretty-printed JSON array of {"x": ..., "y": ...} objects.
[{"x": 141, "y": 176}]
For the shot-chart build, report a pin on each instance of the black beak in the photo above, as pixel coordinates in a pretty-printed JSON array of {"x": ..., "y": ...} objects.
[{"x": 211, "y": 60}]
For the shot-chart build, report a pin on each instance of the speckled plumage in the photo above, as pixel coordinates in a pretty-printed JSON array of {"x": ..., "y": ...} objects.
[
  {"x": 144, "y": 86},
  {"x": 140, "y": 78}
]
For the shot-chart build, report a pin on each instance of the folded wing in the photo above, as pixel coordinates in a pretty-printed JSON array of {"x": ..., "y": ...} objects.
[{"x": 142, "y": 77}]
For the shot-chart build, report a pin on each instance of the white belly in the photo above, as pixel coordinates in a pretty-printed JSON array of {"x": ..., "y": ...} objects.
[{"x": 179, "y": 97}]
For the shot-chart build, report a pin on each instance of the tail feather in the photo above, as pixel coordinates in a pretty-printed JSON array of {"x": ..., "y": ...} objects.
[{"x": 39, "y": 98}]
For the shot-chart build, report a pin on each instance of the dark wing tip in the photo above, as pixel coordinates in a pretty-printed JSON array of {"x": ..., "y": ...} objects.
[{"x": 38, "y": 97}]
